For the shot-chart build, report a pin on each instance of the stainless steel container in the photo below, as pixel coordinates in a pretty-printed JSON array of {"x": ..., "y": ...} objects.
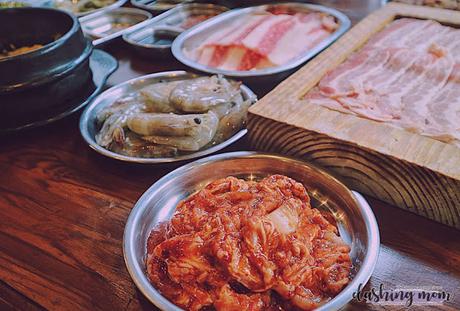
[
  {"x": 157, "y": 6},
  {"x": 109, "y": 25},
  {"x": 88, "y": 123},
  {"x": 155, "y": 38},
  {"x": 192, "y": 38},
  {"x": 355, "y": 220}
]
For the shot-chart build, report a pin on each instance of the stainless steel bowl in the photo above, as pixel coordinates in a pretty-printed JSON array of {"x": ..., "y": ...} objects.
[
  {"x": 356, "y": 222},
  {"x": 154, "y": 40},
  {"x": 112, "y": 6},
  {"x": 157, "y": 6},
  {"x": 195, "y": 36},
  {"x": 105, "y": 26},
  {"x": 88, "y": 118}
]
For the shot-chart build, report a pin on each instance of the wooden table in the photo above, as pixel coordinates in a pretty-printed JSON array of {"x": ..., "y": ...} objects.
[{"x": 63, "y": 209}]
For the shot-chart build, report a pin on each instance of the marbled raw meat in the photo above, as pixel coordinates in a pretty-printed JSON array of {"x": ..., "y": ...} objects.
[
  {"x": 264, "y": 40},
  {"x": 407, "y": 75}
]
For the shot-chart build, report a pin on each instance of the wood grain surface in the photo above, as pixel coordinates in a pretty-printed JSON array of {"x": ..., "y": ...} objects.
[
  {"x": 414, "y": 172},
  {"x": 63, "y": 209}
]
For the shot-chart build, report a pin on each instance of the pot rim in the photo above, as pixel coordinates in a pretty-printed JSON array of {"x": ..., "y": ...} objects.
[
  {"x": 50, "y": 46},
  {"x": 61, "y": 70}
]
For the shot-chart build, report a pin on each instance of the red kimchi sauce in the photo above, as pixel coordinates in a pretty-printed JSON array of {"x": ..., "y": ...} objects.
[{"x": 246, "y": 245}]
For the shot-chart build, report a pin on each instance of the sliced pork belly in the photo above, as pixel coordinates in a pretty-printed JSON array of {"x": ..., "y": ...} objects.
[
  {"x": 264, "y": 40},
  {"x": 444, "y": 109},
  {"x": 391, "y": 35},
  {"x": 407, "y": 75},
  {"x": 430, "y": 80}
]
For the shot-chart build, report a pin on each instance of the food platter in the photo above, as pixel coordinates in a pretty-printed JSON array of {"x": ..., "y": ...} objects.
[
  {"x": 68, "y": 5},
  {"x": 156, "y": 36},
  {"x": 283, "y": 222},
  {"x": 191, "y": 39},
  {"x": 109, "y": 25},
  {"x": 114, "y": 5},
  {"x": 355, "y": 220},
  {"x": 88, "y": 119}
]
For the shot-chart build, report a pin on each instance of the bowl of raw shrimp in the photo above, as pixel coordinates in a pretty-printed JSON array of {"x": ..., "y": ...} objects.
[{"x": 167, "y": 117}]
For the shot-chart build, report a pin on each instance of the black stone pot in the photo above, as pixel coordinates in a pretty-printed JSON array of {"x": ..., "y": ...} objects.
[{"x": 38, "y": 82}]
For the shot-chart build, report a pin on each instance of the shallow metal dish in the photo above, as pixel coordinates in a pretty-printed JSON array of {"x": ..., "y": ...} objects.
[
  {"x": 103, "y": 26},
  {"x": 116, "y": 4},
  {"x": 193, "y": 37},
  {"x": 88, "y": 118},
  {"x": 169, "y": 24},
  {"x": 356, "y": 222},
  {"x": 157, "y": 6}
]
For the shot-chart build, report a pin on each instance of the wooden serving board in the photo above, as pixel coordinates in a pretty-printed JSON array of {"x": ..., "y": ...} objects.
[{"x": 413, "y": 172}]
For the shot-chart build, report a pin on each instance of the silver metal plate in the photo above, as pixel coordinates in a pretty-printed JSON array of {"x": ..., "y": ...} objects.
[
  {"x": 148, "y": 39},
  {"x": 88, "y": 121},
  {"x": 193, "y": 37},
  {"x": 109, "y": 25},
  {"x": 355, "y": 219},
  {"x": 158, "y": 6}
]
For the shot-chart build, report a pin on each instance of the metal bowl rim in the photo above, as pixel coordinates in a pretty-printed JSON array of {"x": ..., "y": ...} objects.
[
  {"x": 53, "y": 44},
  {"x": 109, "y": 7},
  {"x": 131, "y": 11},
  {"x": 149, "y": 291},
  {"x": 84, "y": 120},
  {"x": 128, "y": 37}
]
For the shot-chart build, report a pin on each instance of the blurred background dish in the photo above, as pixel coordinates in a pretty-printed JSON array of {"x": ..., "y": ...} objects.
[
  {"x": 77, "y": 7},
  {"x": 158, "y": 6},
  {"x": 109, "y": 25},
  {"x": 155, "y": 38},
  {"x": 85, "y": 7},
  {"x": 25, "y": 3}
]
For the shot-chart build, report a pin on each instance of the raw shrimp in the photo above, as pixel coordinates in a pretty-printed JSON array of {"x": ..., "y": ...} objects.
[
  {"x": 166, "y": 118},
  {"x": 169, "y": 124},
  {"x": 134, "y": 146},
  {"x": 156, "y": 96},
  {"x": 203, "y": 94},
  {"x": 192, "y": 132},
  {"x": 120, "y": 106},
  {"x": 234, "y": 120},
  {"x": 115, "y": 117}
]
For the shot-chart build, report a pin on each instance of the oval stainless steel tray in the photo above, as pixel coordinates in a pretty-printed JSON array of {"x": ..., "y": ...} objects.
[
  {"x": 102, "y": 26},
  {"x": 355, "y": 220},
  {"x": 169, "y": 23},
  {"x": 88, "y": 122},
  {"x": 193, "y": 37}
]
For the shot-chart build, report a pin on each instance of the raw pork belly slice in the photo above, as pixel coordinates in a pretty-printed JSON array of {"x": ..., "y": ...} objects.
[
  {"x": 407, "y": 75},
  {"x": 264, "y": 40}
]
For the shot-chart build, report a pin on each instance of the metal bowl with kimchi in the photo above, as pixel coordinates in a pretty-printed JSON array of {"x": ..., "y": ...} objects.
[{"x": 348, "y": 210}]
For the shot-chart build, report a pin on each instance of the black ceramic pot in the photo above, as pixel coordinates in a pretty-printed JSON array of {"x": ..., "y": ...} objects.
[{"x": 36, "y": 83}]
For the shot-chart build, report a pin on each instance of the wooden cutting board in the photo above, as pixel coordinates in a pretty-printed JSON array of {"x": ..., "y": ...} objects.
[{"x": 413, "y": 172}]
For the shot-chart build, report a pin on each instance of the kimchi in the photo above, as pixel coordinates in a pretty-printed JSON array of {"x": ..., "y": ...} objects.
[{"x": 247, "y": 245}]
